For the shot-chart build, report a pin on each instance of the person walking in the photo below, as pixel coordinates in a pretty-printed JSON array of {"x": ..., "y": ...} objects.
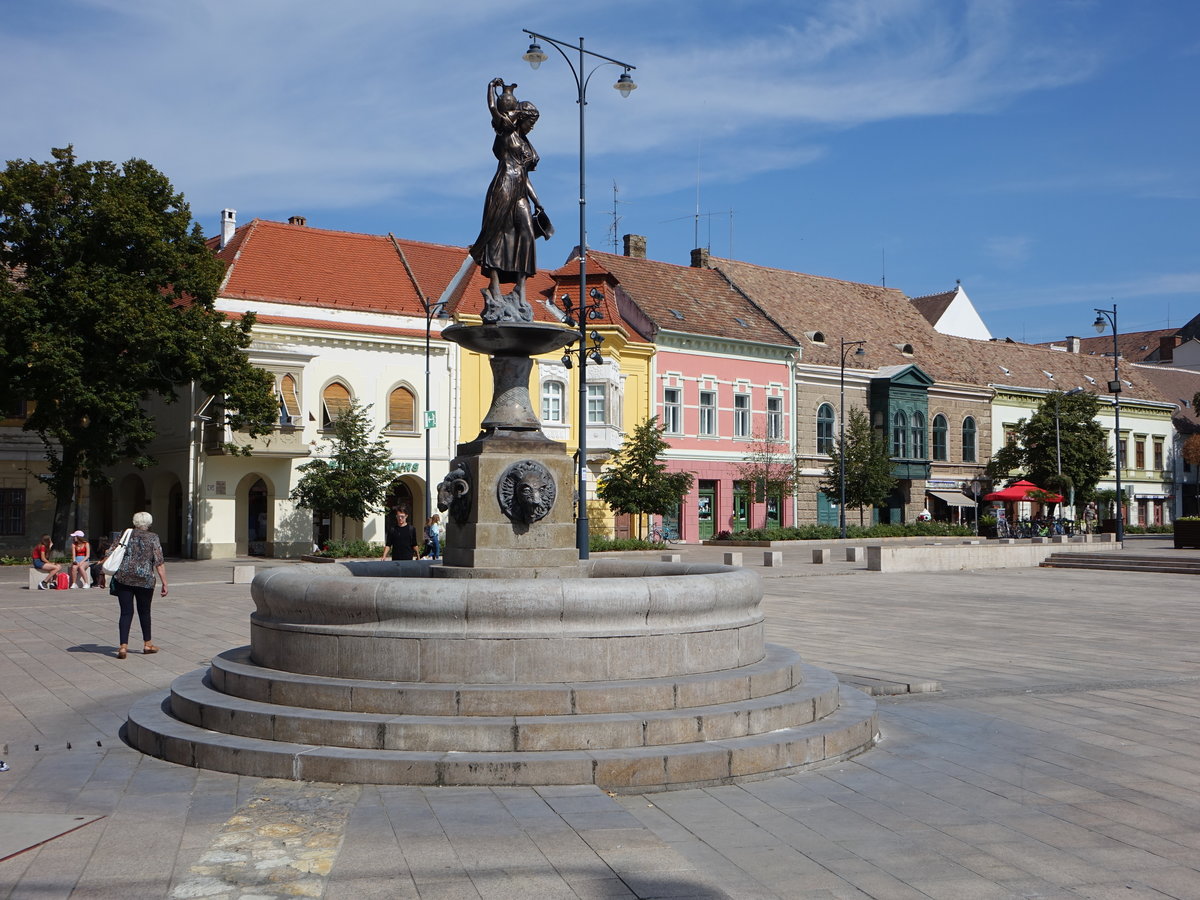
[
  {"x": 400, "y": 538},
  {"x": 80, "y": 551},
  {"x": 41, "y": 562},
  {"x": 433, "y": 536},
  {"x": 133, "y": 582}
]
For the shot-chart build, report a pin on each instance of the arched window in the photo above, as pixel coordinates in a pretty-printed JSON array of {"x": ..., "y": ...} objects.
[
  {"x": 918, "y": 435},
  {"x": 968, "y": 439},
  {"x": 552, "y": 401},
  {"x": 335, "y": 400},
  {"x": 940, "y": 430},
  {"x": 825, "y": 428},
  {"x": 289, "y": 403},
  {"x": 402, "y": 410},
  {"x": 900, "y": 435}
]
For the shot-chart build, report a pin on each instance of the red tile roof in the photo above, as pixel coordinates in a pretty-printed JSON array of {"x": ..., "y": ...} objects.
[
  {"x": 277, "y": 263},
  {"x": 688, "y": 299}
]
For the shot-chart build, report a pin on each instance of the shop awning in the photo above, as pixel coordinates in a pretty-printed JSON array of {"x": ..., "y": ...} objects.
[{"x": 954, "y": 499}]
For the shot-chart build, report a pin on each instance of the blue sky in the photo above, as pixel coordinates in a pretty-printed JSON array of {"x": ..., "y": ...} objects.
[{"x": 1043, "y": 152}]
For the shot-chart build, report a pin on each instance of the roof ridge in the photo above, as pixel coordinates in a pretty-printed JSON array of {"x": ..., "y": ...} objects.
[{"x": 714, "y": 262}]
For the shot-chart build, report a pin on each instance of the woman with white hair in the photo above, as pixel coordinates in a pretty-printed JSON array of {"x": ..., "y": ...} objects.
[{"x": 134, "y": 581}]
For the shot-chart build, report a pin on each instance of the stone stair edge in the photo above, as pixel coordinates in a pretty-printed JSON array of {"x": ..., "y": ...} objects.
[
  {"x": 236, "y": 662},
  {"x": 851, "y": 729}
]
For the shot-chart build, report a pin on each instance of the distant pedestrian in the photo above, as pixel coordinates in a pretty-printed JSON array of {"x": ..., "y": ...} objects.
[
  {"x": 80, "y": 551},
  {"x": 134, "y": 581},
  {"x": 433, "y": 537},
  {"x": 1090, "y": 514},
  {"x": 41, "y": 562}
]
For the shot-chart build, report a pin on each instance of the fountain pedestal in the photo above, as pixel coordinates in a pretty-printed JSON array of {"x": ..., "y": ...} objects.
[{"x": 509, "y": 496}]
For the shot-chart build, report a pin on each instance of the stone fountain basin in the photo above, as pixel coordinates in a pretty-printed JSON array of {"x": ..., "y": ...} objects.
[
  {"x": 391, "y": 621},
  {"x": 511, "y": 339}
]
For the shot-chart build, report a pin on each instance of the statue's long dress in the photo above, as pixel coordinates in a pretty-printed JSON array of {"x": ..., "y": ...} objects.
[{"x": 505, "y": 241}]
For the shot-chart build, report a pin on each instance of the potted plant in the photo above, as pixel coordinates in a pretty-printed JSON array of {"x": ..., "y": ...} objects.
[{"x": 1187, "y": 532}]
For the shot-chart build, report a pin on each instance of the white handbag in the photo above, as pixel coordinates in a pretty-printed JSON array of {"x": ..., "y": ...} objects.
[{"x": 116, "y": 555}]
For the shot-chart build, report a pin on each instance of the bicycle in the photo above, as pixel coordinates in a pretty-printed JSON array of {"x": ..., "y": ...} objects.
[{"x": 662, "y": 534}]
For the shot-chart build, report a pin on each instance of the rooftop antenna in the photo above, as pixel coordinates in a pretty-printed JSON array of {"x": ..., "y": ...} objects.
[
  {"x": 612, "y": 229},
  {"x": 883, "y": 265}
]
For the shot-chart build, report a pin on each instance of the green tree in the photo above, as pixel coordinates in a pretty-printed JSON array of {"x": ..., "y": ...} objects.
[
  {"x": 353, "y": 482},
  {"x": 106, "y": 295},
  {"x": 770, "y": 468},
  {"x": 869, "y": 478},
  {"x": 1033, "y": 454},
  {"x": 637, "y": 481}
]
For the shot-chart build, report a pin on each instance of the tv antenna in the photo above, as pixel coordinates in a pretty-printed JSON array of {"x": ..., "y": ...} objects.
[{"x": 613, "y": 239}]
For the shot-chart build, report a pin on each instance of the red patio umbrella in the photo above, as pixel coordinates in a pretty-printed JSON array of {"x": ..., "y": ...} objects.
[{"x": 1020, "y": 491}]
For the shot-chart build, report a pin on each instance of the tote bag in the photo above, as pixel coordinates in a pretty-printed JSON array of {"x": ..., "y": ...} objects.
[{"x": 116, "y": 556}]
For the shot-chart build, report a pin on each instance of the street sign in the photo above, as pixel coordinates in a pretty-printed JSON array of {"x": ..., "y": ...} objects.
[{"x": 430, "y": 418}]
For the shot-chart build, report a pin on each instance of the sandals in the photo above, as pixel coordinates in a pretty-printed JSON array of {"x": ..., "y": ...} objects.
[
  {"x": 150, "y": 648},
  {"x": 121, "y": 654}
]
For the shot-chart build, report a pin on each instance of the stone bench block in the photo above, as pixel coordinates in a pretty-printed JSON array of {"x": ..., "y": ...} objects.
[
  {"x": 772, "y": 558},
  {"x": 34, "y": 577},
  {"x": 1058, "y": 538},
  {"x": 732, "y": 558},
  {"x": 672, "y": 557},
  {"x": 820, "y": 555},
  {"x": 1007, "y": 541},
  {"x": 855, "y": 554},
  {"x": 973, "y": 541},
  {"x": 1037, "y": 540},
  {"x": 1107, "y": 537},
  {"x": 243, "y": 574}
]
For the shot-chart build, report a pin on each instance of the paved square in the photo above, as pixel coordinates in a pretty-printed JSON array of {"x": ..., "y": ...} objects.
[{"x": 1059, "y": 760}]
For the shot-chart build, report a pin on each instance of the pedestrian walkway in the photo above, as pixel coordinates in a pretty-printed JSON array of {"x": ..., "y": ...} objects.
[{"x": 1058, "y": 760}]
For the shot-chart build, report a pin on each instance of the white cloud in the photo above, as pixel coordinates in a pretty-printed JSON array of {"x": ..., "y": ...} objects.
[{"x": 298, "y": 102}]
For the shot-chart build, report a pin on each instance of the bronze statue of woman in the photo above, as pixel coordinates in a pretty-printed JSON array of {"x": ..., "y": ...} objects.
[{"x": 512, "y": 217}]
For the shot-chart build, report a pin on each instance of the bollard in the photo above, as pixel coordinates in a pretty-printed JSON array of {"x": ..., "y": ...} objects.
[
  {"x": 820, "y": 555},
  {"x": 672, "y": 557},
  {"x": 733, "y": 558},
  {"x": 855, "y": 554},
  {"x": 243, "y": 574},
  {"x": 772, "y": 558}
]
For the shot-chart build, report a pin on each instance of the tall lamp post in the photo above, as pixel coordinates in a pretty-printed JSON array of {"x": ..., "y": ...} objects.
[
  {"x": 1109, "y": 316},
  {"x": 846, "y": 345},
  {"x": 535, "y": 57},
  {"x": 436, "y": 310}
]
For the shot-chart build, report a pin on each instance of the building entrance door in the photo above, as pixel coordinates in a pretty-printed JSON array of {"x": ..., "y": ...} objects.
[
  {"x": 705, "y": 504},
  {"x": 741, "y": 506}
]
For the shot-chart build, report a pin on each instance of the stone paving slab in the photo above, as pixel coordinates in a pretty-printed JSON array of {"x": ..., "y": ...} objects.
[{"x": 1059, "y": 760}]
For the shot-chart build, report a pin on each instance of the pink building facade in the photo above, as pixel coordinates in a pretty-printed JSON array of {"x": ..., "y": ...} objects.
[
  {"x": 721, "y": 386},
  {"x": 718, "y": 407}
]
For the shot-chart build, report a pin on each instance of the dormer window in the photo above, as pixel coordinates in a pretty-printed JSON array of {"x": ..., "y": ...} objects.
[
  {"x": 906, "y": 349},
  {"x": 817, "y": 337}
]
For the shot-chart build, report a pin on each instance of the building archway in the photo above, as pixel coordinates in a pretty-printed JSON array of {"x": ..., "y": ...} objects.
[
  {"x": 129, "y": 498},
  {"x": 254, "y": 525},
  {"x": 401, "y": 493}
]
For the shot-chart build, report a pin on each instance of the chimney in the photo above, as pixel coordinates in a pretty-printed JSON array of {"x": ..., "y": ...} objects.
[
  {"x": 300, "y": 221},
  {"x": 635, "y": 246},
  {"x": 228, "y": 225},
  {"x": 1072, "y": 344},
  {"x": 700, "y": 258},
  {"x": 1166, "y": 347}
]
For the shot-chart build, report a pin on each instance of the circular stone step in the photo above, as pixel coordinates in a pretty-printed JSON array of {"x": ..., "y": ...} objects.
[
  {"x": 234, "y": 673},
  {"x": 194, "y": 701},
  {"x": 849, "y": 730}
]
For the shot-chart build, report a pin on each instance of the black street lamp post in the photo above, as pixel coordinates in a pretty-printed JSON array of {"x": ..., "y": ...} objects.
[
  {"x": 535, "y": 57},
  {"x": 1109, "y": 316},
  {"x": 435, "y": 310},
  {"x": 846, "y": 345}
]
